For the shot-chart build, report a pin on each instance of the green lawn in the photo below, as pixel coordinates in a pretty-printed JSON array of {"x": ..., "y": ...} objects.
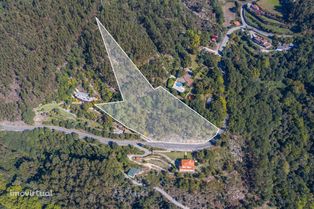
[
  {"x": 178, "y": 155},
  {"x": 61, "y": 112},
  {"x": 270, "y": 5}
]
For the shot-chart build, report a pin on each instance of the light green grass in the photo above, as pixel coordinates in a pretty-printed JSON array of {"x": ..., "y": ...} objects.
[
  {"x": 49, "y": 107},
  {"x": 194, "y": 64},
  {"x": 252, "y": 21},
  {"x": 178, "y": 155},
  {"x": 270, "y": 5}
]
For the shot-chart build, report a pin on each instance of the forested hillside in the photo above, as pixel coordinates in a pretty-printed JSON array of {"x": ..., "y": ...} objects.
[
  {"x": 80, "y": 174},
  {"x": 300, "y": 13},
  {"x": 50, "y": 47},
  {"x": 270, "y": 103},
  {"x": 265, "y": 101}
]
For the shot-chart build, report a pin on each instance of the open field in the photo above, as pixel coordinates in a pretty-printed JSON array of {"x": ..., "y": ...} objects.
[
  {"x": 272, "y": 6},
  {"x": 229, "y": 14},
  {"x": 61, "y": 112},
  {"x": 178, "y": 155}
]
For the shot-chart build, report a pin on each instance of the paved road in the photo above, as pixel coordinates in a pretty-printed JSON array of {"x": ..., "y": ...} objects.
[
  {"x": 244, "y": 24},
  {"x": 82, "y": 134},
  {"x": 171, "y": 199},
  {"x": 225, "y": 40}
]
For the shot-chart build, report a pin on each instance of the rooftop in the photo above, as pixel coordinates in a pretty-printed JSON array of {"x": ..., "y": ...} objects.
[
  {"x": 187, "y": 165},
  {"x": 84, "y": 96},
  {"x": 134, "y": 171}
]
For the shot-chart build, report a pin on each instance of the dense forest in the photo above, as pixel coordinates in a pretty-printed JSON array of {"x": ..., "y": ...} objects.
[
  {"x": 56, "y": 46},
  {"x": 80, "y": 174},
  {"x": 300, "y": 13},
  {"x": 270, "y": 103}
]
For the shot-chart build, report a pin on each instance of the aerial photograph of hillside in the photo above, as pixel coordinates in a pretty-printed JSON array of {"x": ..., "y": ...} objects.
[{"x": 157, "y": 104}]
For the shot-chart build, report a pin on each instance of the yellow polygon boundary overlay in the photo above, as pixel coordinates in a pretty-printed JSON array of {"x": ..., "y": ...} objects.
[{"x": 154, "y": 113}]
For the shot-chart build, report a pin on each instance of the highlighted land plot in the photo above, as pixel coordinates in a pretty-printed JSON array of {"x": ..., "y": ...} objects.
[{"x": 152, "y": 112}]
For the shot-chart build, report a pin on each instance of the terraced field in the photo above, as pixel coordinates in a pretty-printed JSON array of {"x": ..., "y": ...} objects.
[
  {"x": 266, "y": 24},
  {"x": 272, "y": 6}
]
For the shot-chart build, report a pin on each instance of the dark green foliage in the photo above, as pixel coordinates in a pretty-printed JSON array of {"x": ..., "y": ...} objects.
[
  {"x": 80, "y": 174},
  {"x": 218, "y": 11},
  {"x": 270, "y": 103},
  {"x": 50, "y": 47},
  {"x": 301, "y": 13},
  {"x": 28, "y": 115}
]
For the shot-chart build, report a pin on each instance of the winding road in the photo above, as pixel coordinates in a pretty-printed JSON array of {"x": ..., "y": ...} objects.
[
  {"x": 19, "y": 127},
  {"x": 226, "y": 38},
  {"x": 9, "y": 126}
]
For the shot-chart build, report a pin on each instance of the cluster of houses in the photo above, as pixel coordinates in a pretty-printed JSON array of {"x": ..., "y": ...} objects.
[
  {"x": 184, "y": 82},
  {"x": 260, "y": 40}
]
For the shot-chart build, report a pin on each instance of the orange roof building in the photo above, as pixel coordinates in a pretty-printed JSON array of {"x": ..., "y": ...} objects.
[
  {"x": 187, "y": 165},
  {"x": 188, "y": 79},
  {"x": 237, "y": 23}
]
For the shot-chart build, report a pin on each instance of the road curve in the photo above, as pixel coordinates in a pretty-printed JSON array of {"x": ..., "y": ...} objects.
[
  {"x": 82, "y": 134},
  {"x": 245, "y": 25},
  {"x": 225, "y": 40},
  {"x": 22, "y": 127}
]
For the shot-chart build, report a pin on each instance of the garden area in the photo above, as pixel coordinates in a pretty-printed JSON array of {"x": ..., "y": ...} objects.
[{"x": 272, "y": 6}]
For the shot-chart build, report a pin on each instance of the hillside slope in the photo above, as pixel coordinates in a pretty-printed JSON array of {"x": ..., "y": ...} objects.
[{"x": 52, "y": 39}]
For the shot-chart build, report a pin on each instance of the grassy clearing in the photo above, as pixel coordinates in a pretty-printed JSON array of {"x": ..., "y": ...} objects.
[
  {"x": 270, "y": 5},
  {"x": 271, "y": 21},
  {"x": 178, "y": 155},
  {"x": 55, "y": 112},
  {"x": 54, "y": 106},
  {"x": 194, "y": 64},
  {"x": 228, "y": 14},
  {"x": 252, "y": 21}
]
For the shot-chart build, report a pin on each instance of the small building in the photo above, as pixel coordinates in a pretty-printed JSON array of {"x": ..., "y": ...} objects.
[
  {"x": 84, "y": 96},
  {"x": 188, "y": 79},
  {"x": 134, "y": 171},
  {"x": 237, "y": 23},
  {"x": 187, "y": 165},
  {"x": 184, "y": 81},
  {"x": 118, "y": 129},
  {"x": 214, "y": 38},
  {"x": 137, "y": 158},
  {"x": 284, "y": 47}
]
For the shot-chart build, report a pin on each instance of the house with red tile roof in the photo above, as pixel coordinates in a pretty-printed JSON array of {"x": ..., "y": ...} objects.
[{"x": 187, "y": 165}]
